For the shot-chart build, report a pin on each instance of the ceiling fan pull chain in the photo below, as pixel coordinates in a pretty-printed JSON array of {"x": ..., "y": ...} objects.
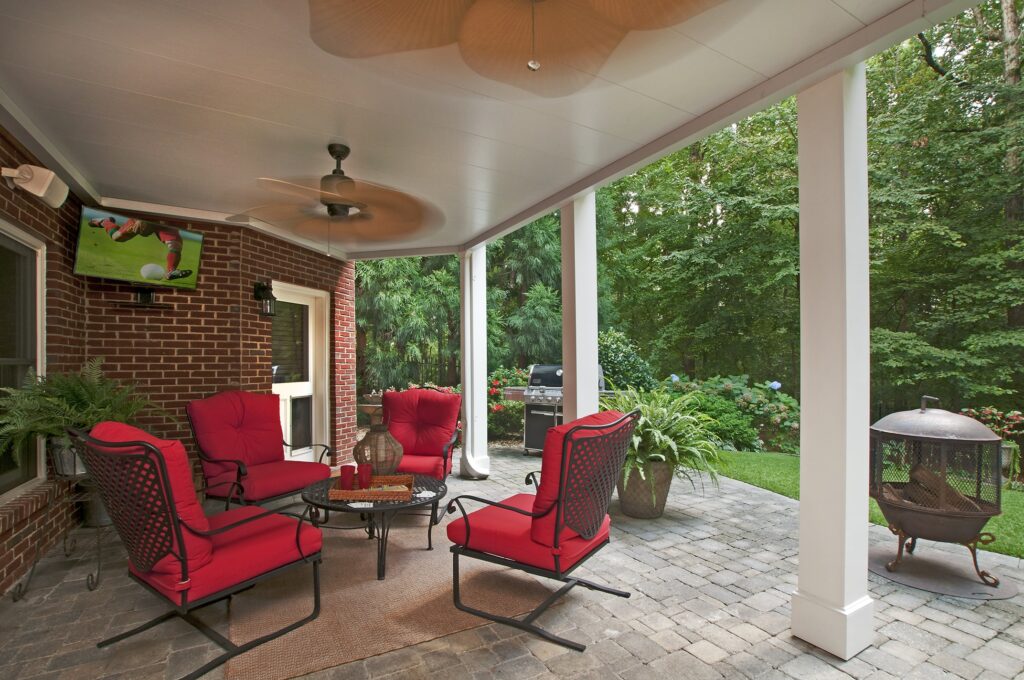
[{"x": 533, "y": 64}]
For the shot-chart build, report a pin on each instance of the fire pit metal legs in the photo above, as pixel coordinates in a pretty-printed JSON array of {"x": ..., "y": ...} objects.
[
  {"x": 909, "y": 543},
  {"x": 983, "y": 538}
]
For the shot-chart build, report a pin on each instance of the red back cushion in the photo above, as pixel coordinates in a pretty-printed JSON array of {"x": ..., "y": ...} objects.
[
  {"x": 422, "y": 421},
  {"x": 543, "y": 528},
  {"x": 239, "y": 425},
  {"x": 198, "y": 549}
]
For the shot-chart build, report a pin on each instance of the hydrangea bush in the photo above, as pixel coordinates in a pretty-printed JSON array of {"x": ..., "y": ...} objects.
[
  {"x": 774, "y": 415},
  {"x": 622, "y": 364}
]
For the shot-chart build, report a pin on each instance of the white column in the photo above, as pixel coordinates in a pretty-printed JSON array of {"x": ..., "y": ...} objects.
[
  {"x": 579, "y": 307},
  {"x": 473, "y": 288},
  {"x": 831, "y": 606}
]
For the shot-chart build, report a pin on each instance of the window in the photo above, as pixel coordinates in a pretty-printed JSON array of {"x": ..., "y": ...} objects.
[{"x": 19, "y": 340}]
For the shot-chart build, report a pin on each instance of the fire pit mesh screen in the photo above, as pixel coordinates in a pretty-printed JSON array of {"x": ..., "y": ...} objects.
[{"x": 947, "y": 475}]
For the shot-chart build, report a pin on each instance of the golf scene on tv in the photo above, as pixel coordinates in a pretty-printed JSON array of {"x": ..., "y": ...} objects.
[{"x": 113, "y": 246}]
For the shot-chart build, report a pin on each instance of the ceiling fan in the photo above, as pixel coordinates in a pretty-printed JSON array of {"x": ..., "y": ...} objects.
[
  {"x": 337, "y": 206},
  {"x": 548, "y": 47}
]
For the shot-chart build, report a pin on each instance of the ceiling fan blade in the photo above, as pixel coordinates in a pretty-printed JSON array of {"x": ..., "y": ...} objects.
[
  {"x": 649, "y": 14},
  {"x": 572, "y": 44},
  {"x": 307, "y": 188},
  {"x": 364, "y": 28}
]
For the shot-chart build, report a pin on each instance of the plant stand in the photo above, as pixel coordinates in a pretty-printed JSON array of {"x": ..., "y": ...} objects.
[{"x": 76, "y": 497}]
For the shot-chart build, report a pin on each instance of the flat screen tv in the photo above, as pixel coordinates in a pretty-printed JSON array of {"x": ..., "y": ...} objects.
[{"x": 113, "y": 246}]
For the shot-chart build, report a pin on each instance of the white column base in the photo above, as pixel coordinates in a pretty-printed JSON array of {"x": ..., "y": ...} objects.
[{"x": 843, "y": 632}]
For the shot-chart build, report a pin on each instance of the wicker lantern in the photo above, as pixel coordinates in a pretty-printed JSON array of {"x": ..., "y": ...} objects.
[{"x": 380, "y": 449}]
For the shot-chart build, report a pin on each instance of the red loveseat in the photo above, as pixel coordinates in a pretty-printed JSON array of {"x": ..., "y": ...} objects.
[
  {"x": 175, "y": 551},
  {"x": 551, "y": 533},
  {"x": 241, "y": 449}
]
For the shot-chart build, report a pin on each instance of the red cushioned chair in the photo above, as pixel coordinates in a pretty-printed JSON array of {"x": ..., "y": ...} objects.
[
  {"x": 426, "y": 423},
  {"x": 241, "y": 448},
  {"x": 174, "y": 550},
  {"x": 553, "y": 532}
]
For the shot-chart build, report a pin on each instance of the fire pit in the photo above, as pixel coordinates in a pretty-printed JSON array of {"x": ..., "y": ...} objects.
[{"x": 936, "y": 475}]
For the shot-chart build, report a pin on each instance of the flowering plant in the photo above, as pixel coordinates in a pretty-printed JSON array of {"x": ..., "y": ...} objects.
[{"x": 504, "y": 416}]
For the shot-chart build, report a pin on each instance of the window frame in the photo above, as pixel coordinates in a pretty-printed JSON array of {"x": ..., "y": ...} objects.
[{"x": 31, "y": 242}]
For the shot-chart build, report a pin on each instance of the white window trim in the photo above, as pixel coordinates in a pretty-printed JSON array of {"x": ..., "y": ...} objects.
[{"x": 39, "y": 246}]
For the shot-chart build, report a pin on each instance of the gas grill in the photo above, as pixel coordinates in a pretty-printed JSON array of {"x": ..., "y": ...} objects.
[{"x": 543, "y": 404}]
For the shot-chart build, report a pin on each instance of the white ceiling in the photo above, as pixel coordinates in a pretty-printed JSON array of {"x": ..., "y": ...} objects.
[{"x": 182, "y": 104}]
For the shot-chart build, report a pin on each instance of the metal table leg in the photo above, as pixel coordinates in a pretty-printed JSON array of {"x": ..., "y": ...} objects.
[{"x": 379, "y": 527}]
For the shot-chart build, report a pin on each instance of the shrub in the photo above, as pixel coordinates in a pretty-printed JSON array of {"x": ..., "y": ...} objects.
[
  {"x": 1010, "y": 426},
  {"x": 734, "y": 429},
  {"x": 775, "y": 414},
  {"x": 504, "y": 416},
  {"x": 623, "y": 366}
]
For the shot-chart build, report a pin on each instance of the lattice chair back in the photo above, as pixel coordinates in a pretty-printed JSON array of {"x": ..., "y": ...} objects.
[
  {"x": 132, "y": 481},
  {"x": 592, "y": 460}
]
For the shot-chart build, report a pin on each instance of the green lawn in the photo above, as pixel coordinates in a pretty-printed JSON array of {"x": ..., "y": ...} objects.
[{"x": 780, "y": 473}]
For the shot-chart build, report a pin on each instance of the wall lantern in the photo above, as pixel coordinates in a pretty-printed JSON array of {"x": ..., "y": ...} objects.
[{"x": 262, "y": 291}]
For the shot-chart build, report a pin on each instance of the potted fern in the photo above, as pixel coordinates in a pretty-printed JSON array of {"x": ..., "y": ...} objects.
[
  {"x": 672, "y": 439},
  {"x": 45, "y": 406}
]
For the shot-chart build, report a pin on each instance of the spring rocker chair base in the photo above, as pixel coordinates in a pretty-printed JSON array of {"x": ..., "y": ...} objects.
[
  {"x": 230, "y": 648},
  {"x": 526, "y": 623}
]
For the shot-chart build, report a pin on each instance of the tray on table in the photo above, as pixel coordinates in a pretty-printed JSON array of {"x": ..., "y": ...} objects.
[{"x": 372, "y": 494}]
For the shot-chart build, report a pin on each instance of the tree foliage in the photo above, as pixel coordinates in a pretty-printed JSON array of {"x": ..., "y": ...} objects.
[{"x": 699, "y": 251}]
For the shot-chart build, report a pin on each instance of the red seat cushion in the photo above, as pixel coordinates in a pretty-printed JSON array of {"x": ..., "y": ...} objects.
[
  {"x": 270, "y": 479},
  {"x": 240, "y": 554},
  {"x": 198, "y": 549},
  {"x": 507, "y": 534},
  {"x": 423, "y": 421},
  {"x": 424, "y": 465},
  {"x": 237, "y": 425},
  {"x": 543, "y": 530}
]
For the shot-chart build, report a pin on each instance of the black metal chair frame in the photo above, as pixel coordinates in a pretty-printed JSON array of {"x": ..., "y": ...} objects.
[
  {"x": 165, "y": 519},
  {"x": 241, "y": 470},
  {"x": 623, "y": 429}
]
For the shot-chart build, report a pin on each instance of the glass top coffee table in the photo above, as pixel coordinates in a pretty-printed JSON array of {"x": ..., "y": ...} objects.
[{"x": 376, "y": 515}]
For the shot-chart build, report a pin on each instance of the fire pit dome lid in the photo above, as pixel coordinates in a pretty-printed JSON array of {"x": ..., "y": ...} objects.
[{"x": 934, "y": 423}]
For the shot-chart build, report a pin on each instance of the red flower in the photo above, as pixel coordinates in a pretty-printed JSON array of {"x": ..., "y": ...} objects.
[
  {"x": 497, "y": 407},
  {"x": 493, "y": 390},
  {"x": 495, "y": 383}
]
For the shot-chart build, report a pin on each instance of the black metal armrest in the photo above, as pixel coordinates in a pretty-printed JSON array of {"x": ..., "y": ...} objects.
[
  {"x": 446, "y": 452},
  {"x": 457, "y": 503},
  {"x": 320, "y": 459},
  {"x": 227, "y": 527},
  {"x": 532, "y": 478}
]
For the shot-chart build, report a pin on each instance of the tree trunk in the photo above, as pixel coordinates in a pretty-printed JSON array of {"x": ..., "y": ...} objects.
[{"x": 1013, "y": 207}]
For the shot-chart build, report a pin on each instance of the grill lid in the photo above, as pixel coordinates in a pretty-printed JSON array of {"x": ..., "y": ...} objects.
[
  {"x": 545, "y": 375},
  {"x": 934, "y": 423}
]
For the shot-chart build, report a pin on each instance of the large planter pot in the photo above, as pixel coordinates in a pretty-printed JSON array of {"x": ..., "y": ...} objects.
[
  {"x": 645, "y": 497},
  {"x": 66, "y": 463},
  {"x": 93, "y": 510}
]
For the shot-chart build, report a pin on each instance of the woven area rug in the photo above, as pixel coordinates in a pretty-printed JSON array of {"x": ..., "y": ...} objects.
[{"x": 361, "y": 616}]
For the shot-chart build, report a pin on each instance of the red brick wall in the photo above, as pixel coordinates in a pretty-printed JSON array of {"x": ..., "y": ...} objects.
[
  {"x": 33, "y": 521},
  {"x": 204, "y": 341}
]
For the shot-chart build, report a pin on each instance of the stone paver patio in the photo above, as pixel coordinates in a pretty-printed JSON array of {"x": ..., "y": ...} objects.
[{"x": 711, "y": 583}]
